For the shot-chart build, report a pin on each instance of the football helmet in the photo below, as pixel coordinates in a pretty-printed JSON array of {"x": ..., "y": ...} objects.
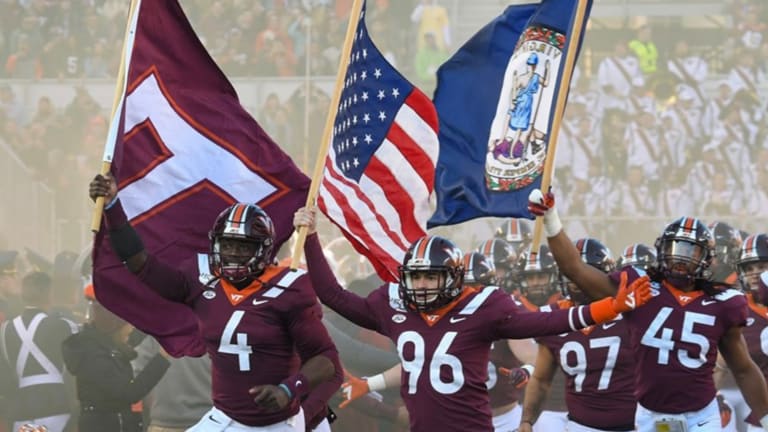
[
  {"x": 596, "y": 254},
  {"x": 538, "y": 275},
  {"x": 437, "y": 260},
  {"x": 478, "y": 269},
  {"x": 499, "y": 252},
  {"x": 727, "y": 242},
  {"x": 753, "y": 260},
  {"x": 516, "y": 232},
  {"x": 242, "y": 240},
  {"x": 685, "y": 250},
  {"x": 638, "y": 255}
]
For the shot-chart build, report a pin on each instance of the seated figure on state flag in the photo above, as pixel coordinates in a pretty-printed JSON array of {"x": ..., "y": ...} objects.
[
  {"x": 271, "y": 357},
  {"x": 678, "y": 333},
  {"x": 444, "y": 329}
]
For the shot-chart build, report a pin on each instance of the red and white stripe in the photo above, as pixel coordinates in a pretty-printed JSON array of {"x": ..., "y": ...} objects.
[{"x": 388, "y": 209}]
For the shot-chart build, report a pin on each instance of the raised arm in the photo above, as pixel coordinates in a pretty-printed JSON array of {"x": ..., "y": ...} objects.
[
  {"x": 589, "y": 279},
  {"x": 345, "y": 303}
]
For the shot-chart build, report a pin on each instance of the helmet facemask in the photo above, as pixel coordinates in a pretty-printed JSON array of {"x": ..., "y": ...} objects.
[
  {"x": 539, "y": 286},
  {"x": 749, "y": 275},
  {"x": 429, "y": 288},
  {"x": 682, "y": 261},
  {"x": 238, "y": 259}
]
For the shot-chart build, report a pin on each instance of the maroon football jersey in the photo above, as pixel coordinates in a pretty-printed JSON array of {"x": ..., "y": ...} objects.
[
  {"x": 250, "y": 335},
  {"x": 675, "y": 338},
  {"x": 756, "y": 336},
  {"x": 598, "y": 366},
  {"x": 500, "y": 388},
  {"x": 444, "y": 357}
]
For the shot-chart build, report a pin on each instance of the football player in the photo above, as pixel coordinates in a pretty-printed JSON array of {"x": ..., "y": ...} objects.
[
  {"x": 676, "y": 336},
  {"x": 254, "y": 317},
  {"x": 443, "y": 330},
  {"x": 507, "y": 374},
  {"x": 597, "y": 363}
]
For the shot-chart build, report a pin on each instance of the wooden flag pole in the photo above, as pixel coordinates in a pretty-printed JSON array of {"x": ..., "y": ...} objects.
[
  {"x": 317, "y": 174},
  {"x": 109, "y": 146},
  {"x": 565, "y": 85}
]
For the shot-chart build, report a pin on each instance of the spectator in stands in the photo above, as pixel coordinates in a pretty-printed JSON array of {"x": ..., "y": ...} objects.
[
  {"x": 428, "y": 58},
  {"x": 13, "y": 107},
  {"x": 96, "y": 63},
  {"x": 430, "y": 17},
  {"x": 645, "y": 50}
]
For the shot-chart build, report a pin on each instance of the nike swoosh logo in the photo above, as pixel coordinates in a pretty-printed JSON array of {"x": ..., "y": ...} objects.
[
  {"x": 210, "y": 417},
  {"x": 700, "y": 424},
  {"x": 708, "y": 302},
  {"x": 258, "y": 302},
  {"x": 454, "y": 320},
  {"x": 606, "y": 326}
]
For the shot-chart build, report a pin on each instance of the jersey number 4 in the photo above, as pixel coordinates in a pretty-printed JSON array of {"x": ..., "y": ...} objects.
[
  {"x": 664, "y": 343},
  {"x": 236, "y": 343}
]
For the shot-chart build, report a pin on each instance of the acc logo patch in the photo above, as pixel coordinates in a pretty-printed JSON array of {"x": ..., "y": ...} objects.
[
  {"x": 209, "y": 294},
  {"x": 398, "y": 318}
]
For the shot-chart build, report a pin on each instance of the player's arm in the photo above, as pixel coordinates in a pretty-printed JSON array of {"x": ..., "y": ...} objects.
[
  {"x": 517, "y": 323},
  {"x": 345, "y": 303},
  {"x": 319, "y": 360},
  {"x": 589, "y": 279},
  {"x": 125, "y": 241},
  {"x": 355, "y": 388},
  {"x": 525, "y": 351},
  {"x": 537, "y": 391},
  {"x": 746, "y": 373}
]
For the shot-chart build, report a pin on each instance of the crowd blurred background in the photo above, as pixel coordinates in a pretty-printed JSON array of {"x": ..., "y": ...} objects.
[{"x": 666, "y": 115}]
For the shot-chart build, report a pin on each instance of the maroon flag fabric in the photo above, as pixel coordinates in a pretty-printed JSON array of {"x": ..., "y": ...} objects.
[{"x": 187, "y": 151}]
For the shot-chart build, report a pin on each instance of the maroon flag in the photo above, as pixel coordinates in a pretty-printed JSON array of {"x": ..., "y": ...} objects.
[{"x": 187, "y": 151}]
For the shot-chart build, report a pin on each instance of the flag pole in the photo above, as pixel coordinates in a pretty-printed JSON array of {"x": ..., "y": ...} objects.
[
  {"x": 565, "y": 85},
  {"x": 354, "y": 18},
  {"x": 117, "y": 104}
]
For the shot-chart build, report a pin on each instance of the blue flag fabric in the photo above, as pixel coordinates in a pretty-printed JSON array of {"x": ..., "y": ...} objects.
[{"x": 495, "y": 99}]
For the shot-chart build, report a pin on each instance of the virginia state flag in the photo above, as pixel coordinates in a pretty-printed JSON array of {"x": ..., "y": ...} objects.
[
  {"x": 495, "y": 99},
  {"x": 186, "y": 150}
]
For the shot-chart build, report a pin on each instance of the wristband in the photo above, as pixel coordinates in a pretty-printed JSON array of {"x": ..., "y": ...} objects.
[
  {"x": 528, "y": 368},
  {"x": 286, "y": 390},
  {"x": 552, "y": 224},
  {"x": 376, "y": 383},
  {"x": 109, "y": 205},
  {"x": 297, "y": 386}
]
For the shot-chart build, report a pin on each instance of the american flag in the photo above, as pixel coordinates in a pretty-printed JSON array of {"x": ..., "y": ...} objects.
[{"x": 380, "y": 168}]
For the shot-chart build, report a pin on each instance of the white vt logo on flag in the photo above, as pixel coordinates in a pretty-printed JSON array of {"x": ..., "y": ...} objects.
[{"x": 194, "y": 157}]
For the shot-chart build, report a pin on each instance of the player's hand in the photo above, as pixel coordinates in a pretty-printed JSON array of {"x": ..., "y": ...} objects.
[
  {"x": 518, "y": 377},
  {"x": 353, "y": 388},
  {"x": 270, "y": 397},
  {"x": 525, "y": 427},
  {"x": 305, "y": 217},
  {"x": 544, "y": 205},
  {"x": 103, "y": 186},
  {"x": 540, "y": 204},
  {"x": 725, "y": 411},
  {"x": 631, "y": 296}
]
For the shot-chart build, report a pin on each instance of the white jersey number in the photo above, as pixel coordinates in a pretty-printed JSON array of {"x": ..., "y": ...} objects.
[
  {"x": 440, "y": 359},
  {"x": 666, "y": 345},
  {"x": 579, "y": 369},
  {"x": 240, "y": 348}
]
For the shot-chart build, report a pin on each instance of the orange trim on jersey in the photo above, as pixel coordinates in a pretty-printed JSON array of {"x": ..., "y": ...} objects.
[
  {"x": 527, "y": 304},
  {"x": 682, "y": 297},
  {"x": 433, "y": 317},
  {"x": 236, "y": 296},
  {"x": 757, "y": 308}
]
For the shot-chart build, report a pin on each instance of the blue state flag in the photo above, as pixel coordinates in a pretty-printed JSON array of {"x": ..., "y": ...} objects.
[{"x": 495, "y": 99}]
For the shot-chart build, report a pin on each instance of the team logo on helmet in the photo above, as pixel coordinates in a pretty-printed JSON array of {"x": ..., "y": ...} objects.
[{"x": 518, "y": 137}]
